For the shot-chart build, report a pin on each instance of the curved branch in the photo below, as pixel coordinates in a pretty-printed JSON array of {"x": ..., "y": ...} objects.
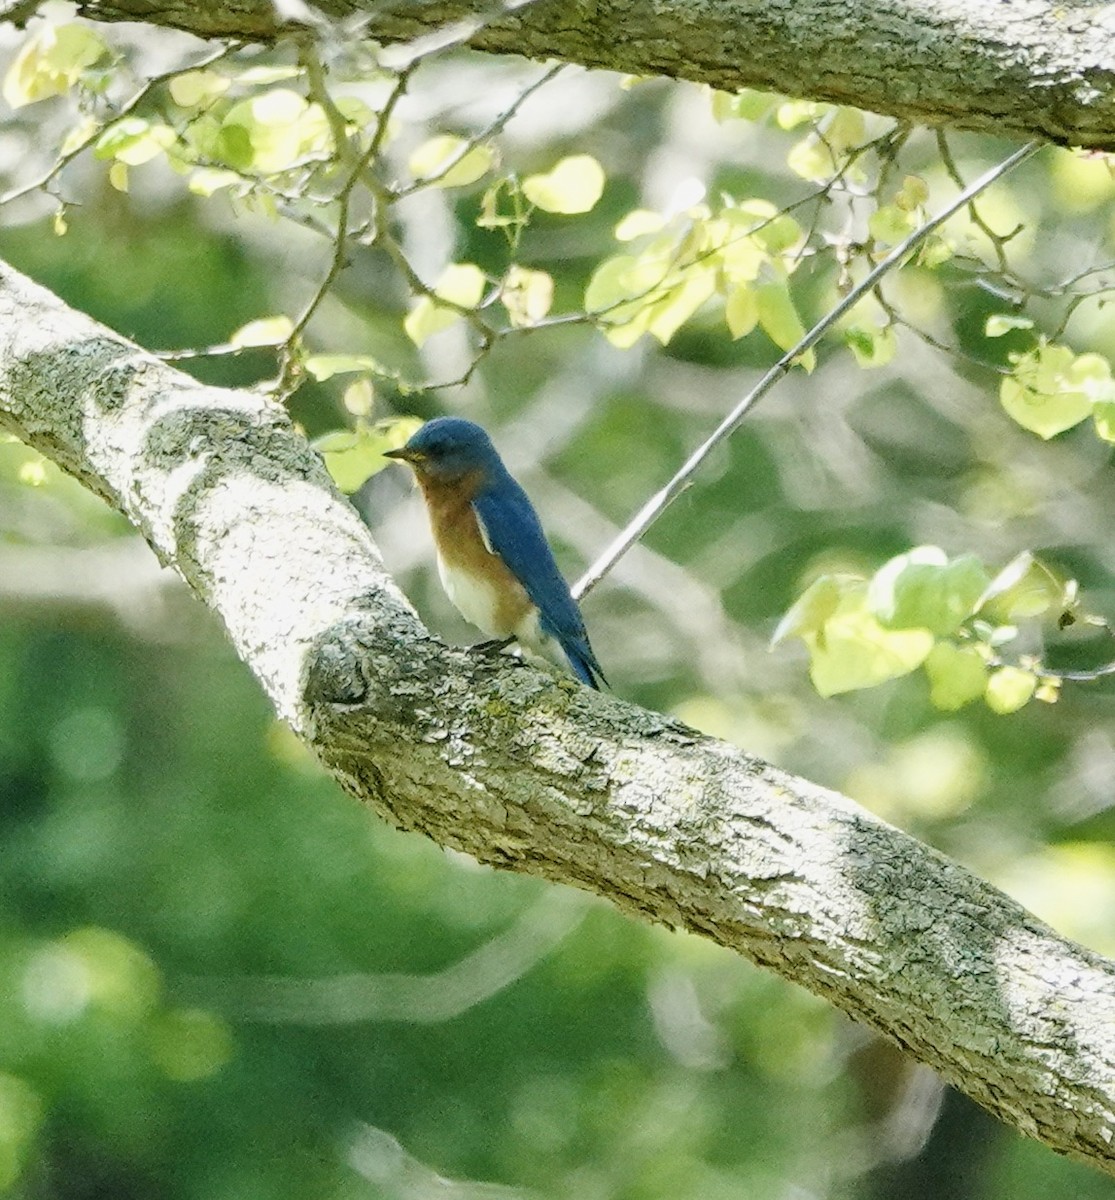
[
  {"x": 531, "y": 772},
  {"x": 1029, "y": 69}
]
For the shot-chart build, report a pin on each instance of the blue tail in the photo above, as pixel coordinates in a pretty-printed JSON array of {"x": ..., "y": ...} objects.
[{"x": 582, "y": 661}]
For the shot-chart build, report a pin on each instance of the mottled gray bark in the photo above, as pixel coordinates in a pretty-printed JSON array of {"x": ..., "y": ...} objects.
[
  {"x": 1025, "y": 68},
  {"x": 532, "y": 772}
]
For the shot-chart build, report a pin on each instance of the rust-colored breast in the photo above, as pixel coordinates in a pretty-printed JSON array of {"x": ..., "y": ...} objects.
[{"x": 462, "y": 551}]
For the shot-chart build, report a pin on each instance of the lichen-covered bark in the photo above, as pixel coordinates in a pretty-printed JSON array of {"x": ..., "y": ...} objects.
[
  {"x": 532, "y": 772},
  {"x": 1027, "y": 68}
]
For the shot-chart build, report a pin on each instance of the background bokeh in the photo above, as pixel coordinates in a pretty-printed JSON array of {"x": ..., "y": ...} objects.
[{"x": 220, "y": 978}]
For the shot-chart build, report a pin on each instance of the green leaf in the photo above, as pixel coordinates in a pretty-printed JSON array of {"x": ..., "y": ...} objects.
[
  {"x": 773, "y": 229},
  {"x": 1103, "y": 414},
  {"x": 527, "y": 295},
  {"x": 1008, "y": 689},
  {"x": 462, "y": 284},
  {"x": 464, "y": 165},
  {"x": 871, "y": 347},
  {"x": 197, "y": 89},
  {"x": 621, "y": 293},
  {"x": 890, "y": 224},
  {"x": 746, "y": 105},
  {"x": 812, "y": 159},
  {"x": 999, "y": 324},
  {"x": 273, "y": 131},
  {"x": 1025, "y": 588},
  {"x": 206, "y": 181},
  {"x": 51, "y": 61},
  {"x": 1051, "y": 389},
  {"x": 741, "y": 312},
  {"x": 267, "y": 331},
  {"x": 668, "y": 313},
  {"x": 353, "y": 456},
  {"x": 913, "y": 194},
  {"x": 809, "y": 612},
  {"x": 957, "y": 676},
  {"x": 325, "y": 366},
  {"x": 638, "y": 223},
  {"x": 854, "y": 651},
  {"x": 134, "y": 141},
  {"x": 573, "y": 186},
  {"x": 780, "y": 321},
  {"x": 923, "y": 590}
]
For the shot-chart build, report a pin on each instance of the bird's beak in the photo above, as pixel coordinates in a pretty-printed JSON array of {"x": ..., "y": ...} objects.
[{"x": 405, "y": 455}]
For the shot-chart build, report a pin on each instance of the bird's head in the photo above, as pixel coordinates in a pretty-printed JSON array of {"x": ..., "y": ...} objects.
[{"x": 448, "y": 448}]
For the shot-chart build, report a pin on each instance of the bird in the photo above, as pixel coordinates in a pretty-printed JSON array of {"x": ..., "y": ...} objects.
[{"x": 492, "y": 555}]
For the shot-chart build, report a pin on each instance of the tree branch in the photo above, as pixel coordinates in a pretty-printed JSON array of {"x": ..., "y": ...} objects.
[
  {"x": 1031, "y": 69},
  {"x": 531, "y": 772}
]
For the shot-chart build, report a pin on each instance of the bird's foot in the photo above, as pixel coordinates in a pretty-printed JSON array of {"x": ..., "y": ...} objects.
[{"x": 494, "y": 646}]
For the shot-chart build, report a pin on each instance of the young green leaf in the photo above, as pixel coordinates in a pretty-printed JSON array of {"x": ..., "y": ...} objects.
[
  {"x": 1025, "y": 588},
  {"x": 923, "y": 590},
  {"x": 527, "y": 295},
  {"x": 267, "y": 331},
  {"x": 573, "y": 186},
  {"x": 353, "y": 456},
  {"x": 1008, "y": 689},
  {"x": 957, "y": 676},
  {"x": 1051, "y": 389},
  {"x": 51, "y": 61},
  {"x": 448, "y": 162},
  {"x": 462, "y": 285}
]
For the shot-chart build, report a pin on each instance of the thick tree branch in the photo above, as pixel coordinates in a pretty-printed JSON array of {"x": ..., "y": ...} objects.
[
  {"x": 1028, "y": 69},
  {"x": 531, "y": 772}
]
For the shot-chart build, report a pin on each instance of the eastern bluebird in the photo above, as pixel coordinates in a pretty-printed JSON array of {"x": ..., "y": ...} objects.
[{"x": 492, "y": 555}]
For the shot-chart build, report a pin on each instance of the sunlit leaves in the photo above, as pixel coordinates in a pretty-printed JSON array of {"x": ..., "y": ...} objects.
[
  {"x": 461, "y": 286},
  {"x": 51, "y": 61},
  {"x": 742, "y": 253},
  {"x": 1000, "y": 324},
  {"x": 923, "y": 608},
  {"x": 923, "y": 589},
  {"x": 848, "y": 647},
  {"x": 325, "y": 366},
  {"x": 527, "y": 295},
  {"x": 957, "y": 675},
  {"x": 446, "y": 162},
  {"x": 352, "y": 456},
  {"x": 871, "y": 346},
  {"x": 1024, "y": 589},
  {"x": 1051, "y": 389},
  {"x": 573, "y": 186},
  {"x": 272, "y": 131},
  {"x": 824, "y": 152},
  {"x": 1009, "y": 688},
  {"x": 779, "y": 319},
  {"x": 134, "y": 141},
  {"x": 197, "y": 89},
  {"x": 267, "y": 331}
]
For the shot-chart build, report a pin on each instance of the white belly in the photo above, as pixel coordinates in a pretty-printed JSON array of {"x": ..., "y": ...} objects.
[{"x": 475, "y": 599}]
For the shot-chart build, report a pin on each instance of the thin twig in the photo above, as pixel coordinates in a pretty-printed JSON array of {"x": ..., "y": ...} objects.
[
  {"x": 318, "y": 89},
  {"x": 998, "y": 241},
  {"x": 497, "y": 126},
  {"x": 658, "y": 503}
]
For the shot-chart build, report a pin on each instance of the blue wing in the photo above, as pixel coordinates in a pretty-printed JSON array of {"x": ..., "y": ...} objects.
[{"x": 512, "y": 530}]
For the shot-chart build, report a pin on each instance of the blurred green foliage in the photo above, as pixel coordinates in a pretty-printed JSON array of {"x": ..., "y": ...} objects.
[{"x": 222, "y": 979}]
